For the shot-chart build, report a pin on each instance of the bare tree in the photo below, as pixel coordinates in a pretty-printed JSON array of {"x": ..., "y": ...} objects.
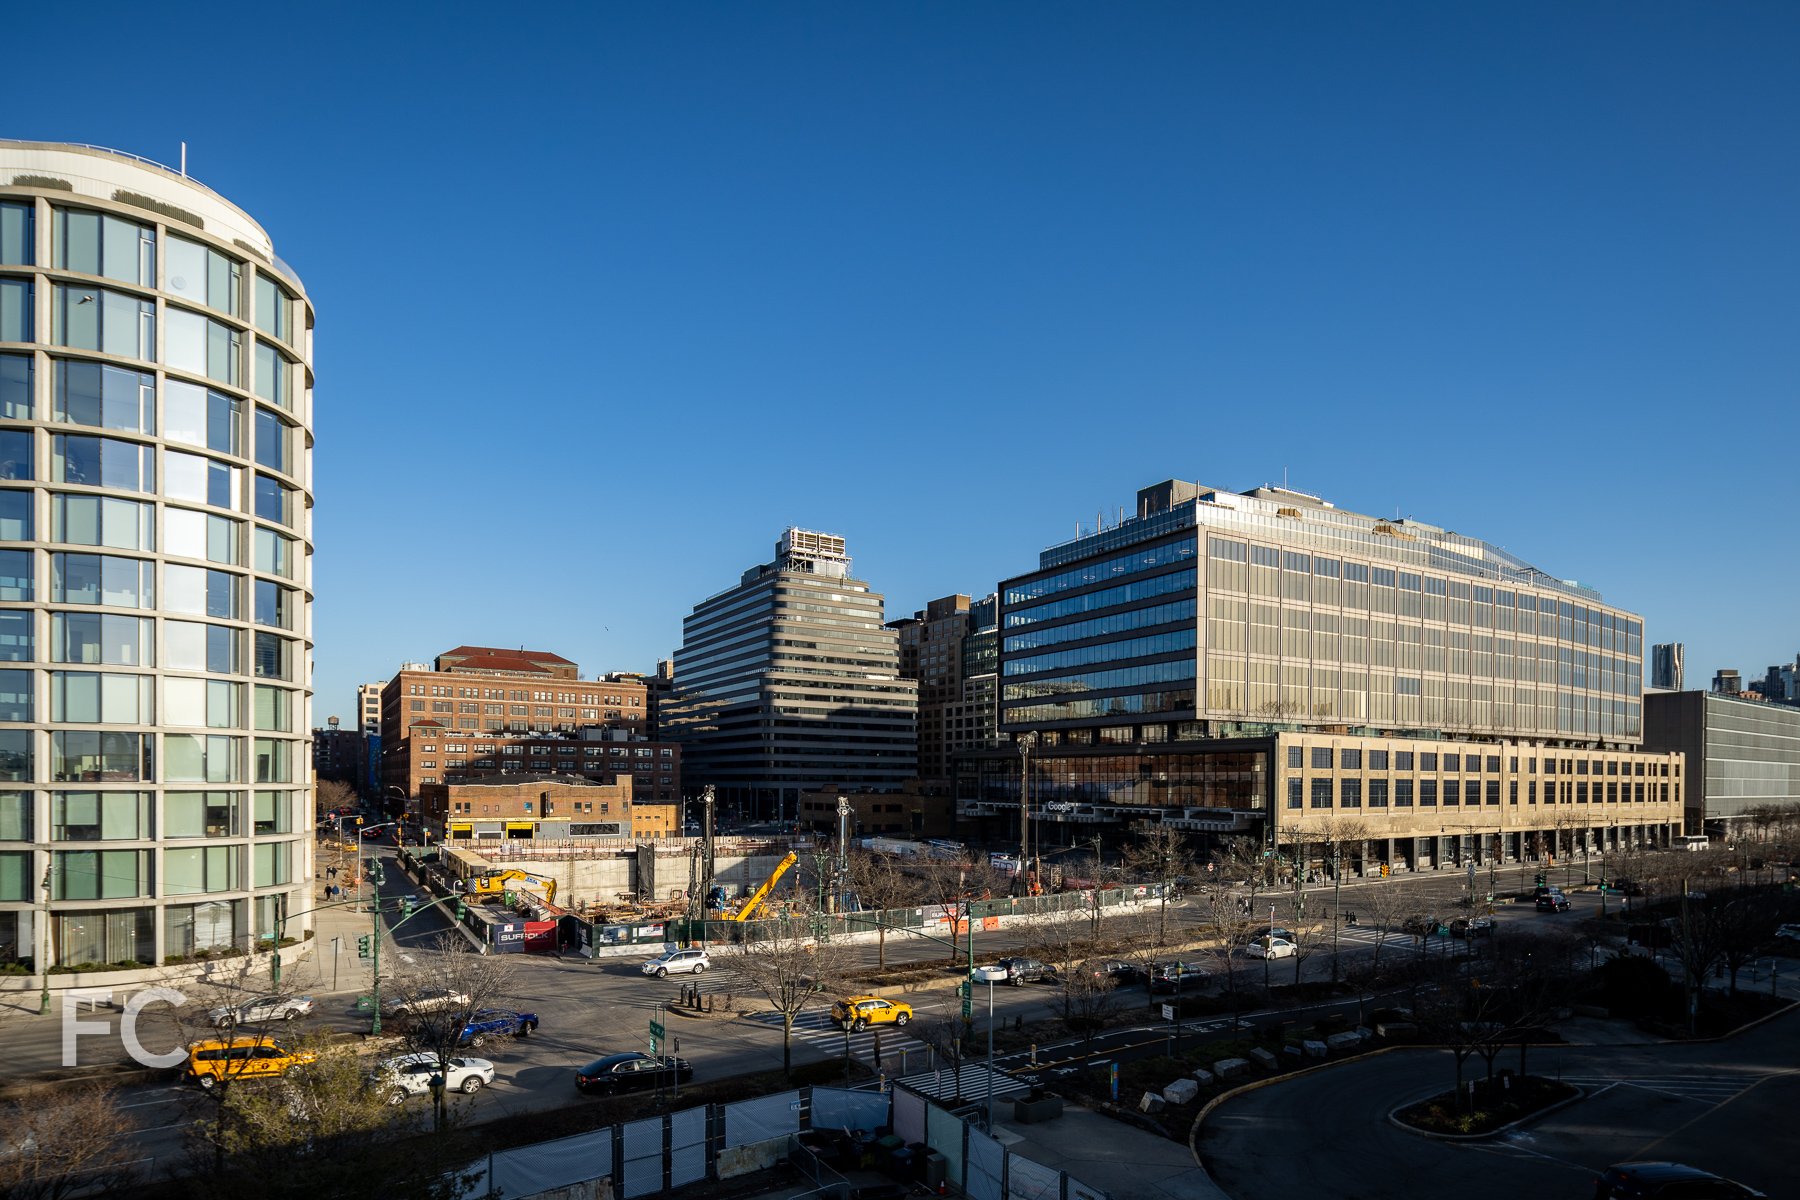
[
  {"x": 329, "y": 794},
  {"x": 433, "y": 997},
  {"x": 1088, "y": 999},
  {"x": 1159, "y": 855},
  {"x": 1384, "y": 906},
  {"x": 1231, "y": 919},
  {"x": 792, "y": 973},
  {"x": 881, "y": 886},
  {"x": 1331, "y": 835},
  {"x": 66, "y": 1142}
]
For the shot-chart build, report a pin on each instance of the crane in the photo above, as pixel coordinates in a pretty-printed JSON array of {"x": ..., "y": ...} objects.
[{"x": 750, "y": 905}]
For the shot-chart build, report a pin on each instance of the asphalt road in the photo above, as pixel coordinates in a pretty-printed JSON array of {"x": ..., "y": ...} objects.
[
  {"x": 588, "y": 1009},
  {"x": 1724, "y": 1106}
]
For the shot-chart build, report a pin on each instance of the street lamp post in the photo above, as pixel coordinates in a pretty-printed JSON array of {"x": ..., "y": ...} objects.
[
  {"x": 990, "y": 1060},
  {"x": 43, "y": 963},
  {"x": 1026, "y": 741},
  {"x": 1337, "y": 908},
  {"x": 1271, "y": 945}
]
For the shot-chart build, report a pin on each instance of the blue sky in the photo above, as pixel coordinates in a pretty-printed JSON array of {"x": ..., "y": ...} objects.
[{"x": 608, "y": 295}]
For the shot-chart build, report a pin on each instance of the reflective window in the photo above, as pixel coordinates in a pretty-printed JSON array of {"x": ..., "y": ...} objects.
[
  {"x": 15, "y": 310},
  {"x": 200, "y": 592},
  {"x": 272, "y": 370},
  {"x": 18, "y": 244},
  {"x": 1166, "y": 672},
  {"x": 274, "y": 657},
  {"x": 95, "y": 756},
  {"x": 273, "y": 442},
  {"x": 15, "y": 696},
  {"x": 275, "y": 605},
  {"x": 273, "y": 862},
  {"x": 273, "y": 813},
  {"x": 274, "y": 709},
  {"x": 100, "y": 638},
  {"x": 16, "y": 816},
  {"x": 15, "y": 755},
  {"x": 1137, "y": 618},
  {"x": 15, "y": 575},
  {"x": 274, "y": 309},
  {"x": 200, "y": 346},
  {"x": 201, "y": 758},
  {"x": 15, "y": 454},
  {"x": 15, "y": 386},
  {"x": 1161, "y": 643},
  {"x": 200, "y": 479},
  {"x": 275, "y": 553},
  {"x": 102, "y": 521},
  {"x": 201, "y": 814},
  {"x": 201, "y": 275},
  {"x": 102, "y": 319},
  {"x": 210, "y": 703},
  {"x": 190, "y": 534},
  {"x": 102, "y": 244},
  {"x": 192, "y": 646},
  {"x": 201, "y": 869},
  {"x": 274, "y": 761},
  {"x": 102, "y": 579},
  {"x": 103, "y": 462},
  {"x": 105, "y": 397},
  {"x": 198, "y": 416},
  {"x": 100, "y": 816},
  {"x": 16, "y": 637},
  {"x": 1105, "y": 569},
  {"x": 99, "y": 875},
  {"x": 92, "y": 697},
  {"x": 275, "y": 501}
]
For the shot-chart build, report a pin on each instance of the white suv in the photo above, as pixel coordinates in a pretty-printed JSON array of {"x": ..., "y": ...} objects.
[{"x": 678, "y": 962}]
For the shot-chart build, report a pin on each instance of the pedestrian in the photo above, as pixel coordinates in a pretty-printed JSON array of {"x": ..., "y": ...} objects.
[{"x": 1349, "y": 918}]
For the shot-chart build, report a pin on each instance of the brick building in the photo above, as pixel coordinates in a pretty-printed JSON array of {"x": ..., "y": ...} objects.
[{"x": 540, "y": 806}]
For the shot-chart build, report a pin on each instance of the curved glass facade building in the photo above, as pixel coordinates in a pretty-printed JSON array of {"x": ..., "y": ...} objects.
[{"x": 155, "y": 567}]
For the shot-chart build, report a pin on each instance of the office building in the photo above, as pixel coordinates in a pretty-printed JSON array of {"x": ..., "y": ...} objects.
[
  {"x": 1666, "y": 666},
  {"x": 789, "y": 682},
  {"x": 480, "y": 711},
  {"x": 513, "y": 807},
  {"x": 1263, "y": 662},
  {"x": 1727, "y": 682},
  {"x": 1743, "y": 755},
  {"x": 155, "y": 567},
  {"x": 948, "y": 648},
  {"x": 368, "y": 707}
]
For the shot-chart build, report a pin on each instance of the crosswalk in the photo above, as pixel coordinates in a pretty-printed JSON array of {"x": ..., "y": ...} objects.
[
  {"x": 816, "y": 1028},
  {"x": 1710, "y": 1090},
  {"x": 971, "y": 1083}
]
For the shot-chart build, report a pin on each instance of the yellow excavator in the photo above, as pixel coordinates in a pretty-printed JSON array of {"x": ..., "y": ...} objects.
[
  {"x": 495, "y": 882},
  {"x": 748, "y": 908}
]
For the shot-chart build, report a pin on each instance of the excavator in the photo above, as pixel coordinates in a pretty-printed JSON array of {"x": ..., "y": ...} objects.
[
  {"x": 754, "y": 902},
  {"x": 495, "y": 882}
]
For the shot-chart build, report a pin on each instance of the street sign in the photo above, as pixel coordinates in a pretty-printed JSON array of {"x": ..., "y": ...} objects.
[
  {"x": 1115, "y": 1081},
  {"x": 968, "y": 999},
  {"x": 656, "y": 1035},
  {"x": 1168, "y": 1012}
]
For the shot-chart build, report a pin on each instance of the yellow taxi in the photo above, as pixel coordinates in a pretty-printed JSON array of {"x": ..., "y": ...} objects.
[
  {"x": 214, "y": 1061},
  {"x": 860, "y": 1012}
]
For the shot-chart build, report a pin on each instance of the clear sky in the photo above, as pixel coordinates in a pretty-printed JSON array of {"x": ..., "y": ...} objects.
[{"x": 610, "y": 294}]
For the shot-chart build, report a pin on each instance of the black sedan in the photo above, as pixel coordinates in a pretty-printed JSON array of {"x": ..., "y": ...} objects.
[{"x": 625, "y": 1072}]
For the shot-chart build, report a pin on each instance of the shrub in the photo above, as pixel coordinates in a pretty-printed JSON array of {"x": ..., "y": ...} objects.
[{"x": 1630, "y": 986}]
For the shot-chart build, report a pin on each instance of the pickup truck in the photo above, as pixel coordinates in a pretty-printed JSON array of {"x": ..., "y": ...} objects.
[{"x": 487, "y": 1023}]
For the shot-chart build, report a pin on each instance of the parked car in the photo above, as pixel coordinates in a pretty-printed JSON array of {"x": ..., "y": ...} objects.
[
  {"x": 214, "y": 1061},
  {"x": 1552, "y": 901},
  {"x": 411, "y": 1075},
  {"x": 1270, "y": 947},
  {"x": 487, "y": 1023},
  {"x": 261, "y": 1010},
  {"x": 633, "y": 1069},
  {"x": 860, "y": 1012},
  {"x": 1176, "y": 976},
  {"x": 678, "y": 962},
  {"x": 1472, "y": 927},
  {"x": 1666, "y": 1181},
  {"x": 1117, "y": 970},
  {"x": 1286, "y": 935},
  {"x": 1788, "y": 931},
  {"x": 424, "y": 1000},
  {"x": 1016, "y": 971},
  {"x": 1419, "y": 926}
]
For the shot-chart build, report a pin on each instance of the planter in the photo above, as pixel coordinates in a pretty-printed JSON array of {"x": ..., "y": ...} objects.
[{"x": 1033, "y": 1112}]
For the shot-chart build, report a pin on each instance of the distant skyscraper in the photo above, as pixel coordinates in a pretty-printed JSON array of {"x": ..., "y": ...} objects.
[
  {"x": 788, "y": 682},
  {"x": 1666, "y": 665},
  {"x": 1727, "y": 682}
]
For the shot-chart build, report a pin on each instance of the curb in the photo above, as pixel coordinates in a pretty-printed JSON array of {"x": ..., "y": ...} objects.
[{"x": 1393, "y": 1118}]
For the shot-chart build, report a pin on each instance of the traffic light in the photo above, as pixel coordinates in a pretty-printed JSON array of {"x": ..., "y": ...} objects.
[
  {"x": 1540, "y": 879},
  {"x": 407, "y": 906},
  {"x": 362, "y": 946},
  {"x": 1384, "y": 870},
  {"x": 462, "y": 909},
  {"x": 359, "y": 820}
]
